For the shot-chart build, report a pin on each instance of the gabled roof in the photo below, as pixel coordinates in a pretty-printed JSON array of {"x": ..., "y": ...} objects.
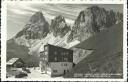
[{"x": 12, "y": 61}]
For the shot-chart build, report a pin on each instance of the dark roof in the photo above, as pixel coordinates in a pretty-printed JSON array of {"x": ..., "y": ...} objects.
[
  {"x": 12, "y": 61},
  {"x": 57, "y": 47}
]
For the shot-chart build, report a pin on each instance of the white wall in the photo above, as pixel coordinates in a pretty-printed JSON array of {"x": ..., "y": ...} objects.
[{"x": 59, "y": 66}]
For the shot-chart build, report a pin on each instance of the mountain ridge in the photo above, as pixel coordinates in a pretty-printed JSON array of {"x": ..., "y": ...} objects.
[
  {"x": 107, "y": 56},
  {"x": 36, "y": 28}
]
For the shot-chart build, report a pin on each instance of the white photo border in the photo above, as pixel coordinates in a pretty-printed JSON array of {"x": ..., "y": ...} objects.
[{"x": 4, "y": 38}]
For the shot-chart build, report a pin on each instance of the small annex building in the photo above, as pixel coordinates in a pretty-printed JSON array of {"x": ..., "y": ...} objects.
[{"x": 16, "y": 62}]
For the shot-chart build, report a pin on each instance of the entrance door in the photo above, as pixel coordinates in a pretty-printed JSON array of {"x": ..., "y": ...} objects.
[{"x": 64, "y": 72}]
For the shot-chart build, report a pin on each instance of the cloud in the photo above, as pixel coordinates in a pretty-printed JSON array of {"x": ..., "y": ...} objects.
[
  {"x": 49, "y": 10},
  {"x": 49, "y": 17},
  {"x": 16, "y": 11},
  {"x": 20, "y": 8}
]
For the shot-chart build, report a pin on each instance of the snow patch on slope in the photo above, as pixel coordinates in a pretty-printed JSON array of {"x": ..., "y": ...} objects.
[{"x": 38, "y": 46}]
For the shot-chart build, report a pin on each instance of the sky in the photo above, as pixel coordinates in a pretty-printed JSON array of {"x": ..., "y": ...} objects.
[{"x": 19, "y": 13}]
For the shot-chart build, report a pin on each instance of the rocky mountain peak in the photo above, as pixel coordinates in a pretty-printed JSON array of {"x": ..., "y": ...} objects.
[
  {"x": 93, "y": 20},
  {"x": 38, "y": 16},
  {"x": 36, "y": 28},
  {"x": 59, "y": 18},
  {"x": 58, "y": 26}
]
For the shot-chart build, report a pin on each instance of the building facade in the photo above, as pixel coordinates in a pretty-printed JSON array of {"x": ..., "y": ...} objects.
[{"x": 56, "y": 59}]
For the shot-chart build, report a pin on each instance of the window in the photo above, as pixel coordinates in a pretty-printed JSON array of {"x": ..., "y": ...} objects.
[
  {"x": 55, "y": 53},
  {"x": 41, "y": 55},
  {"x": 66, "y": 59},
  {"x": 46, "y": 48},
  {"x": 55, "y": 71},
  {"x": 55, "y": 58},
  {"x": 62, "y": 53},
  {"x": 67, "y": 53},
  {"x": 46, "y": 53},
  {"x": 65, "y": 64},
  {"x": 45, "y": 58}
]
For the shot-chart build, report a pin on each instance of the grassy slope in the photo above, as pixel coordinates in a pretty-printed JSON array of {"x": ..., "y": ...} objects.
[
  {"x": 107, "y": 55},
  {"x": 15, "y": 50}
]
